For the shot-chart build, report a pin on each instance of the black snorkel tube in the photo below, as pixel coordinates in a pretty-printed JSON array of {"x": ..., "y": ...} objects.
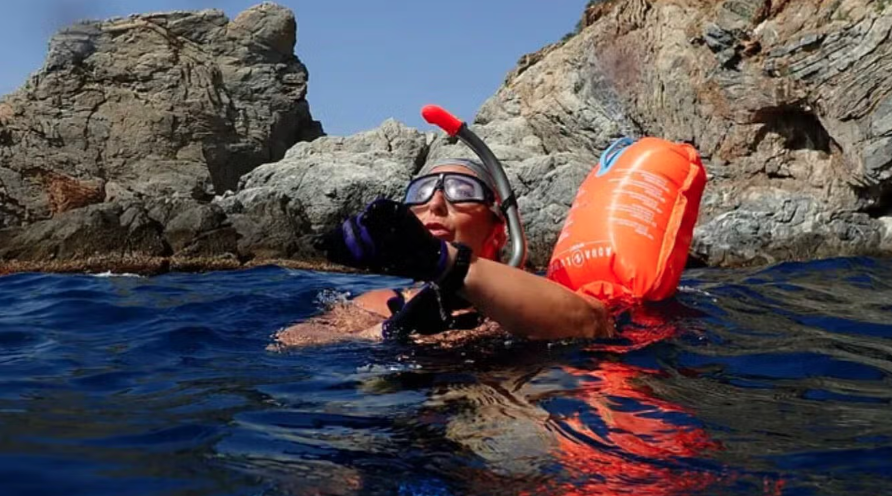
[{"x": 437, "y": 116}]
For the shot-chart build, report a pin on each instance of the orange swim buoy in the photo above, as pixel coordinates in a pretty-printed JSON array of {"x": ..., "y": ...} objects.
[{"x": 627, "y": 234}]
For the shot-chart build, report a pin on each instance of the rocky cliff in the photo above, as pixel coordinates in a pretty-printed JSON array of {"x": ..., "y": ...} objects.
[
  {"x": 788, "y": 102},
  {"x": 118, "y": 144},
  {"x": 141, "y": 135}
]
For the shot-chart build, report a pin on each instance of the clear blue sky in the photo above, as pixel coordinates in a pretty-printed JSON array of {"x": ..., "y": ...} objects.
[{"x": 368, "y": 60}]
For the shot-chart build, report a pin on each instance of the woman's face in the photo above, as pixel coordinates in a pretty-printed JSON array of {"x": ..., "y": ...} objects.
[{"x": 470, "y": 223}]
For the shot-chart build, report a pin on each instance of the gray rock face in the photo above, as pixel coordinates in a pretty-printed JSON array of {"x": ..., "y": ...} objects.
[
  {"x": 105, "y": 228},
  {"x": 177, "y": 104},
  {"x": 789, "y": 106},
  {"x": 279, "y": 205},
  {"x": 787, "y": 102},
  {"x": 155, "y": 125}
]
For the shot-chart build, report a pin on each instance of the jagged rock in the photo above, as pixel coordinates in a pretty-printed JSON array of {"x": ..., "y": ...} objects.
[
  {"x": 280, "y": 206},
  {"x": 773, "y": 225},
  {"x": 792, "y": 123},
  {"x": 273, "y": 226},
  {"x": 795, "y": 114},
  {"x": 171, "y": 104},
  {"x": 201, "y": 230},
  {"x": 795, "y": 172},
  {"x": 717, "y": 39},
  {"x": 113, "y": 229}
]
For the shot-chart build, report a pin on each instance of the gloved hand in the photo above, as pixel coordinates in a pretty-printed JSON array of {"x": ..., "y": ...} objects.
[
  {"x": 428, "y": 312},
  {"x": 422, "y": 313},
  {"x": 387, "y": 238}
]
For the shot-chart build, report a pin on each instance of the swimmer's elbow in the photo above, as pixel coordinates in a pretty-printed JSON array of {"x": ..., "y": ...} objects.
[
  {"x": 594, "y": 321},
  {"x": 602, "y": 325},
  {"x": 582, "y": 322}
]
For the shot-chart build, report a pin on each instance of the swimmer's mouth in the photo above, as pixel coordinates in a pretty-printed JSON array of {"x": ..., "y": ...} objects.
[{"x": 439, "y": 231}]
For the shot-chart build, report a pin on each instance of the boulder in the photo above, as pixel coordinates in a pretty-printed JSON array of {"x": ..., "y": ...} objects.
[
  {"x": 120, "y": 230},
  {"x": 279, "y": 207},
  {"x": 157, "y": 105}
]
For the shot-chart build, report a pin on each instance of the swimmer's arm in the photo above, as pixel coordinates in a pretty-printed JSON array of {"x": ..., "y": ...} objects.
[
  {"x": 531, "y": 306},
  {"x": 358, "y": 320},
  {"x": 375, "y": 301}
]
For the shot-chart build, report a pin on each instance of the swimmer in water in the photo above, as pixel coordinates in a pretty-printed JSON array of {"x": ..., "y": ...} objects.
[{"x": 447, "y": 231}]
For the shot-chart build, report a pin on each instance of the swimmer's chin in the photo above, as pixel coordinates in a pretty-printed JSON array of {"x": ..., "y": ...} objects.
[
  {"x": 440, "y": 231},
  {"x": 444, "y": 235}
]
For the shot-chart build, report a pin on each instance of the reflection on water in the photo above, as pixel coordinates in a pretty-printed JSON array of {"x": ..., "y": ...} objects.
[
  {"x": 639, "y": 441},
  {"x": 772, "y": 381}
]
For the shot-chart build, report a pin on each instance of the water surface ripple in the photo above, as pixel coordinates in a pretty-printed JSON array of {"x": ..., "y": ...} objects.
[{"x": 763, "y": 381}]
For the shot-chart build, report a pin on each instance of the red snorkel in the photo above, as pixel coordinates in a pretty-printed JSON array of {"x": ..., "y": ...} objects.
[{"x": 438, "y": 116}]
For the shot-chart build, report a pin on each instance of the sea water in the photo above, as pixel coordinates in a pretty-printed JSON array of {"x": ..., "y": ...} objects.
[{"x": 760, "y": 381}]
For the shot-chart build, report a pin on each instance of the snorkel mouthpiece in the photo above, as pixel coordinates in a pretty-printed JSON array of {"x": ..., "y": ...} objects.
[{"x": 438, "y": 116}]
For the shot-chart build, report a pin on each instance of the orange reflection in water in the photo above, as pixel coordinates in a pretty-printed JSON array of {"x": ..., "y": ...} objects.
[{"x": 638, "y": 449}]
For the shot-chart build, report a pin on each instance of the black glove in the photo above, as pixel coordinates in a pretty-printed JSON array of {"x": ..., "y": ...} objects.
[
  {"x": 422, "y": 312},
  {"x": 387, "y": 238},
  {"x": 428, "y": 312}
]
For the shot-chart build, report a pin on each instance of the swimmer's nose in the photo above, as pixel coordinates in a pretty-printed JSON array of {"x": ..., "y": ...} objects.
[{"x": 437, "y": 205}]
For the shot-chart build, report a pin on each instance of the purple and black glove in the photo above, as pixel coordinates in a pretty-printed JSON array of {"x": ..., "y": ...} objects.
[
  {"x": 387, "y": 238},
  {"x": 430, "y": 311}
]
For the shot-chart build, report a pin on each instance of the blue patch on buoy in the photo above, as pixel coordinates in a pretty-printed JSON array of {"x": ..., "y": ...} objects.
[{"x": 611, "y": 154}]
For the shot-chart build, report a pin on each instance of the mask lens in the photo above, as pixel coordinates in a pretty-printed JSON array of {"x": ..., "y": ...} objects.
[
  {"x": 463, "y": 189},
  {"x": 457, "y": 188},
  {"x": 421, "y": 190}
]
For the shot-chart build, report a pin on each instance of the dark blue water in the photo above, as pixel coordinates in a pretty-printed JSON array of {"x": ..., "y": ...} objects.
[{"x": 767, "y": 381}]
